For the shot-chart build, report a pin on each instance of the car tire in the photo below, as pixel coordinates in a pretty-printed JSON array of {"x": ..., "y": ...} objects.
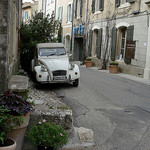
[{"x": 76, "y": 83}]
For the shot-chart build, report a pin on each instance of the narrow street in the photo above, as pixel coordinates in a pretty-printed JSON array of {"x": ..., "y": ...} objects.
[{"x": 115, "y": 108}]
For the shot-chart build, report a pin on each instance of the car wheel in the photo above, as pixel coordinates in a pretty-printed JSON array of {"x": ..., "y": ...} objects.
[{"x": 76, "y": 82}]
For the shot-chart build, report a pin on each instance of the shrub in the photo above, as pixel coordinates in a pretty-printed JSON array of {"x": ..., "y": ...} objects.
[
  {"x": 17, "y": 105},
  {"x": 113, "y": 63},
  {"x": 45, "y": 133}
]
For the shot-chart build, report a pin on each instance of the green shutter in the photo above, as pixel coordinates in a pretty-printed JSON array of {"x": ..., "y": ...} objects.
[
  {"x": 113, "y": 43},
  {"x": 117, "y": 3},
  {"x": 71, "y": 13},
  {"x": 90, "y": 43},
  {"x": 101, "y": 7},
  {"x": 99, "y": 43},
  {"x": 67, "y": 13},
  {"x": 81, "y": 5},
  {"x": 61, "y": 12},
  {"x": 57, "y": 13},
  {"x": 130, "y": 31},
  {"x": 93, "y": 6}
]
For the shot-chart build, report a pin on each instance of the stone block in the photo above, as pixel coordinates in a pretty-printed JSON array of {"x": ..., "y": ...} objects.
[{"x": 85, "y": 135}]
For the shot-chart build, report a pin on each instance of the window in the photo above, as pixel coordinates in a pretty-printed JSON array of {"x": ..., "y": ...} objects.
[
  {"x": 26, "y": 15},
  {"x": 69, "y": 13},
  {"x": 78, "y": 10},
  {"x": 59, "y": 14},
  {"x": 48, "y": 2},
  {"x": 123, "y": 42},
  {"x": 123, "y": 1},
  {"x": 97, "y": 5},
  {"x": 42, "y": 4}
]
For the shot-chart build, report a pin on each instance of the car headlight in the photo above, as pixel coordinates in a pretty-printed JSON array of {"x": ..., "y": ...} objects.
[{"x": 43, "y": 69}]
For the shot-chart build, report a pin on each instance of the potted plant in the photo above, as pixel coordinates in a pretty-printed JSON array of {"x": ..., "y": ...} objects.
[
  {"x": 19, "y": 109},
  {"x": 113, "y": 67},
  {"x": 47, "y": 135},
  {"x": 88, "y": 62},
  {"x": 5, "y": 143}
]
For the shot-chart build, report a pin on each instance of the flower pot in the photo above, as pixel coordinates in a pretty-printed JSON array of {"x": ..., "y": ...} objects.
[
  {"x": 9, "y": 145},
  {"x": 18, "y": 132},
  {"x": 40, "y": 147},
  {"x": 89, "y": 63},
  {"x": 113, "y": 68}
]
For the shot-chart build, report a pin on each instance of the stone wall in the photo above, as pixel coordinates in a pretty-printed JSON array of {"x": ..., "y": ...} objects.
[{"x": 3, "y": 44}]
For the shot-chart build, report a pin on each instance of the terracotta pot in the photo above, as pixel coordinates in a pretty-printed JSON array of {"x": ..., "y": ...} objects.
[
  {"x": 18, "y": 132},
  {"x": 44, "y": 148},
  {"x": 113, "y": 68},
  {"x": 89, "y": 63},
  {"x": 10, "y": 145}
]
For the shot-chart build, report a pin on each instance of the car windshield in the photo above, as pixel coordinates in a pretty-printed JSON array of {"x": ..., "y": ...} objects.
[{"x": 52, "y": 51}]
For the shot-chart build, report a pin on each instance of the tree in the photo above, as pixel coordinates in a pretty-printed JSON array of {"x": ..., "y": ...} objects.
[{"x": 39, "y": 30}]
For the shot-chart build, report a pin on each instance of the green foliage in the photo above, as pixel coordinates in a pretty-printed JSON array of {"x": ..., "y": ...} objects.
[
  {"x": 113, "y": 63},
  {"x": 47, "y": 134},
  {"x": 6, "y": 121},
  {"x": 88, "y": 59},
  {"x": 39, "y": 30}
]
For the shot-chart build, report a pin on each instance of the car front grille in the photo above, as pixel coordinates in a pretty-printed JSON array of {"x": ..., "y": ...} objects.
[{"x": 59, "y": 73}]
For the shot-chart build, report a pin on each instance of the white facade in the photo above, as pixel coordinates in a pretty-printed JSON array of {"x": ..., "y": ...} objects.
[{"x": 47, "y": 7}]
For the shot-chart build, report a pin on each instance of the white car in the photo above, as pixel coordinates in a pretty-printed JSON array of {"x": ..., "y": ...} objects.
[{"x": 51, "y": 65}]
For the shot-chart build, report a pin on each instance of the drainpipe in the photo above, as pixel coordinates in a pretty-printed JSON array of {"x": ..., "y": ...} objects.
[
  {"x": 72, "y": 35},
  {"x": 86, "y": 31}
]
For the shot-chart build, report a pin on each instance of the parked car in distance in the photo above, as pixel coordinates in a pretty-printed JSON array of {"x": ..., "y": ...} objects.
[{"x": 51, "y": 65}]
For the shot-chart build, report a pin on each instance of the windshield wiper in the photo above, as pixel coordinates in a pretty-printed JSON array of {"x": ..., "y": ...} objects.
[
  {"x": 61, "y": 54},
  {"x": 51, "y": 54}
]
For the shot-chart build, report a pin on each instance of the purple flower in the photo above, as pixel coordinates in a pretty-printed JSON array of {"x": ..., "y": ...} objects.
[
  {"x": 44, "y": 120},
  {"x": 39, "y": 122}
]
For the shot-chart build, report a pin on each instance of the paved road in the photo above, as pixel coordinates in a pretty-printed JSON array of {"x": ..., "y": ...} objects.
[{"x": 115, "y": 108}]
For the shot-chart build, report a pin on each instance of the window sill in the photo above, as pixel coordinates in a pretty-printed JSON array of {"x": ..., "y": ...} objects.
[
  {"x": 69, "y": 22},
  {"x": 124, "y": 5},
  {"x": 97, "y": 12}
]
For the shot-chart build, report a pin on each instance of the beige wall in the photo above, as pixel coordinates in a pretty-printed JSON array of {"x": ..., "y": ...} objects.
[{"x": 67, "y": 26}]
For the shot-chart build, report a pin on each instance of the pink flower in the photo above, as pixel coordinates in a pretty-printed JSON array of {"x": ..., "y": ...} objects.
[
  {"x": 61, "y": 134},
  {"x": 39, "y": 122},
  {"x": 44, "y": 120}
]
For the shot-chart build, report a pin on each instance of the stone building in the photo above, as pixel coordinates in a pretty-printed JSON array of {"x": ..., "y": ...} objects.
[
  {"x": 121, "y": 27},
  {"x": 28, "y": 10},
  {"x": 64, "y": 15},
  {"x": 10, "y": 20}
]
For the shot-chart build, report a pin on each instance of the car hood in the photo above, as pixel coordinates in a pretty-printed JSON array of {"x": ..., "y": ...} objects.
[{"x": 55, "y": 64}]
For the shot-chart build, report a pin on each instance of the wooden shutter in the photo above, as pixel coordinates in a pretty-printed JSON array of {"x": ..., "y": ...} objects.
[
  {"x": 71, "y": 13},
  {"x": 130, "y": 32},
  {"x": 99, "y": 43},
  {"x": 101, "y": 3},
  {"x": 117, "y": 3},
  {"x": 76, "y": 9},
  {"x": 113, "y": 43},
  {"x": 93, "y": 6},
  {"x": 67, "y": 13},
  {"x": 81, "y": 5},
  {"x": 61, "y": 12},
  {"x": 90, "y": 43},
  {"x": 57, "y": 13}
]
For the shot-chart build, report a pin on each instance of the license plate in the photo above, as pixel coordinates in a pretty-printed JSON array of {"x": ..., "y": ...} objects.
[{"x": 59, "y": 78}]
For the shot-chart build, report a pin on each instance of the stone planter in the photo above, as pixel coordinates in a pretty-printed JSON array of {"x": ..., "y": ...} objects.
[
  {"x": 89, "y": 63},
  {"x": 10, "y": 145},
  {"x": 113, "y": 68},
  {"x": 18, "y": 132}
]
